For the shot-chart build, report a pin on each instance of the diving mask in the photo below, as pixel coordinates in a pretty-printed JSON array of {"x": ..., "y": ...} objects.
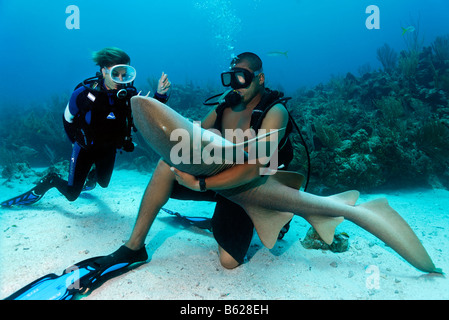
[
  {"x": 238, "y": 78},
  {"x": 122, "y": 73}
]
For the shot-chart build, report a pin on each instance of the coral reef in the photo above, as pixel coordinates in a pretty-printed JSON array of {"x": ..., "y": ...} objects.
[
  {"x": 386, "y": 127},
  {"x": 18, "y": 171},
  {"x": 388, "y": 57},
  {"x": 312, "y": 240},
  {"x": 23, "y": 172},
  {"x": 34, "y": 133}
]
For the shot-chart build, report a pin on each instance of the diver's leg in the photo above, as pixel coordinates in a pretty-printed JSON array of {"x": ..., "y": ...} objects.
[
  {"x": 91, "y": 180},
  {"x": 233, "y": 231},
  {"x": 80, "y": 164},
  {"x": 79, "y": 168},
  {"x": 104, "y": 163},
  {"x": 156, "y": 195}
]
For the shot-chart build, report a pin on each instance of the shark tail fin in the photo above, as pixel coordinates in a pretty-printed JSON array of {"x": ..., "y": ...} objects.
[
  {"x": 404, "y": 30},
  {"x": 384, "y": 222}
]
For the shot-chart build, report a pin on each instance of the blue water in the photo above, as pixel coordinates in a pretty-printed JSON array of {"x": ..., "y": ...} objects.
[{"x": 194, "y": 40}]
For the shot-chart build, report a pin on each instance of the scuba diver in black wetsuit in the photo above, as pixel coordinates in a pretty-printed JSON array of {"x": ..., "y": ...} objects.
[{"x": 98, "y": 121}]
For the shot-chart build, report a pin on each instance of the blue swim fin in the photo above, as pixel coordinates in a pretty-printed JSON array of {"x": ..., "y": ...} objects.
[
  {"x": 81, "y": 277},
  {"x": 32, "y": 196},
  {"x": 199, "y": 222},
  {"x": 35, "y": 194},
  {"x": 24, "y": 199}
]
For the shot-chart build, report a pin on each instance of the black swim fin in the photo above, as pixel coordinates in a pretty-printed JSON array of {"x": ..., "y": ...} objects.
[
  {"x": 200, "y": 222},
  {"x": 205, "y": 223},
  {"x": 81, "y": 277}
]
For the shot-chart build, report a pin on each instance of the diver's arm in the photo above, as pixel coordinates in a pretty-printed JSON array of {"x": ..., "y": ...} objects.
[
  {"x": 163, "y": 87},
  {"x": 209, "y": 120},
  {"x": 69, "y": 115},
  {"x": 69, "y": 128},
  {"x": 239, "y": 174},
  {"x": 236, "y": 176}
]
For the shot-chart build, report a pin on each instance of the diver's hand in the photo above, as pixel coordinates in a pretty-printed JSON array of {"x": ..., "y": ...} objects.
[
  {"x": 185, "y": 179},
  {"x": 163, "y": 85}
]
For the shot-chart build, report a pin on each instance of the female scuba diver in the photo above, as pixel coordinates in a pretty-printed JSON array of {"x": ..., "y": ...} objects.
[{"x": 98, "y": 121}]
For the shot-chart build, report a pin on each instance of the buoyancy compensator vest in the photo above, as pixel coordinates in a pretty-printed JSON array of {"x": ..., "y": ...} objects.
[
  {"x": 269, "y": 99},
  {"x": 104, "y": 117}
]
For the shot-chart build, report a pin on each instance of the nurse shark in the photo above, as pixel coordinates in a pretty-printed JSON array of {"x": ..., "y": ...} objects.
[{"x": 272, "y": 200}]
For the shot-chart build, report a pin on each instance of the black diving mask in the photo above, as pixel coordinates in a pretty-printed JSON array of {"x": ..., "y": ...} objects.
[{"x": 238, "y": 78}]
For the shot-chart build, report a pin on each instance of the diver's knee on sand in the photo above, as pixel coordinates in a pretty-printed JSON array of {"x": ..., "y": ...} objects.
[{"x": 226, "y": 260}]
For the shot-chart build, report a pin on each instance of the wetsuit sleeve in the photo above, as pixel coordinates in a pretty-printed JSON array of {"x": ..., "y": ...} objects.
[
  {"x": 70, "y": 112},
  {"x": 70, "y": 129},
  {"x": 161, "y": 97},
  {"x": 72, "y": 107}
]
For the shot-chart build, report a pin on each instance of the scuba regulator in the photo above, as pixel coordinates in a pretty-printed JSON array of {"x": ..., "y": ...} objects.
[{"x": 230, "y": 97}]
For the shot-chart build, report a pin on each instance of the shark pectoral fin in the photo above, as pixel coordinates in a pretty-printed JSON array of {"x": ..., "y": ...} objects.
[
  {"x": 324, "y": 226},
  {"x": 384, "y": 222},
  {"x": 268, "y": 223}
]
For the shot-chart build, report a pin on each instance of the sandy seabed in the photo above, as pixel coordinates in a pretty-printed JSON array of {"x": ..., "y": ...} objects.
[{"x": 53, "y": 234}]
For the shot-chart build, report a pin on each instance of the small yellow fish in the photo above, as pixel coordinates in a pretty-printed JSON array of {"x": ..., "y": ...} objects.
[
  {"x": 408, "y": 29},
  {"x": 277, "y": 54}
]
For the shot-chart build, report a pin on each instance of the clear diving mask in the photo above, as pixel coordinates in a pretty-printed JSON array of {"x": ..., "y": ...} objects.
[{"x": 122, "y": 73}]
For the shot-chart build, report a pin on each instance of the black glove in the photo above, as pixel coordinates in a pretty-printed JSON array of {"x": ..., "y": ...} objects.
[{"x": 128, "y": 145}]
